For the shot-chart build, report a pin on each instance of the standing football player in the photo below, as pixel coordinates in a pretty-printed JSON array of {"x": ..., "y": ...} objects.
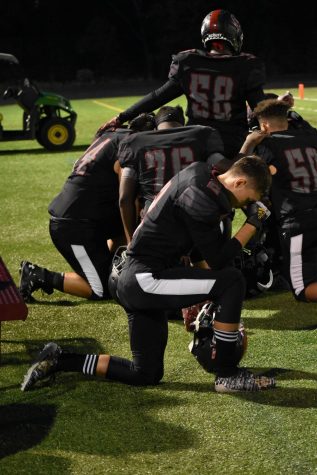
[
  {"x": 292, "y": 154},
  {"x": 84, "y": 215},
  {"x": 217, "y": 82},
  {"x": 185, "y": 214}
]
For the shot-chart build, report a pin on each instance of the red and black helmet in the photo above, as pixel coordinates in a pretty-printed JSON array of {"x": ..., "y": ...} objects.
[{"x": 221, "y": 25}]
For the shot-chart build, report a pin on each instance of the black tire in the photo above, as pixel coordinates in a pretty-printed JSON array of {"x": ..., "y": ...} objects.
[
  {"x": 38, "y": 135},
  {"x": 56, "y": 134}
]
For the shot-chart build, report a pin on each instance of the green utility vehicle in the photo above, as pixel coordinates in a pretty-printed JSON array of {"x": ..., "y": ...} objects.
[{"x": 46, "y": 117}]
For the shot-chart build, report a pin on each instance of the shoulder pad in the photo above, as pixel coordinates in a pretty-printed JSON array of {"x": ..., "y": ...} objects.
[
  {"x": 185, "y": 53},
  {"x": 248, "y": 56}
]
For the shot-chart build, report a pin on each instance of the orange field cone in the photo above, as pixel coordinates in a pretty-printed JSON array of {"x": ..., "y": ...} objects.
[{"x": 301, "y": 90}]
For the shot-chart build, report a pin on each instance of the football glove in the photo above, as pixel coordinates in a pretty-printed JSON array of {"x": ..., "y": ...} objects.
[{"x": 256, "y": 214}]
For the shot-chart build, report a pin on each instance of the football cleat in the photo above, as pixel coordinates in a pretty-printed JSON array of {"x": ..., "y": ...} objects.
[
  {"x": 244, "y": 380},
  {"x": 32, "y": 278},
  {"x": 44, "y": 366}
]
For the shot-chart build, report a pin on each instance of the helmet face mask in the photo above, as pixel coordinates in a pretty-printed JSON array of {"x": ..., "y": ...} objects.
[
  {"x": 255, "y": 265},
  {"x": 221, "y": 25},
  {"x": 118, "y": 262}
]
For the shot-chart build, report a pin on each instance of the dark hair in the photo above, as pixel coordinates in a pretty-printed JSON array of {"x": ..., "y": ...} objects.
[
  {"x": 143, "y": 122},
  {"x": 270, "y": 95},
  {"x": 271, "y": 108},
  {"x": 255, "y": 168},
  {"x": 170, "y": 114}
]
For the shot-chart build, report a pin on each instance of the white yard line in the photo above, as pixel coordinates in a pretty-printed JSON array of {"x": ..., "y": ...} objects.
[
  {"x": 305, "y": 99},
  {"x": 304, "y": 109}
]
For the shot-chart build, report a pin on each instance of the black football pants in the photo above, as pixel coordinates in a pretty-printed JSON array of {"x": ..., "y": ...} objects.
[{"x": 145, "y": 296}]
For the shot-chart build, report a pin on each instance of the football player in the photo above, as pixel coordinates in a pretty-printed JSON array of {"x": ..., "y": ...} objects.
[
  {"x": 84, "y": 215},
  {"x": 217, "y": 82},
  {"x": 295, "y": 121},
  {"x": 185, "y": 214},
  {"x": 292, "y": 154},
  {"x": 150, "y": 159}
]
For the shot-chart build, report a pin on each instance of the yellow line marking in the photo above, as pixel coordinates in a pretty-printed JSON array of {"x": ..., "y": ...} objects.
[{"x": 108, "y": 106}]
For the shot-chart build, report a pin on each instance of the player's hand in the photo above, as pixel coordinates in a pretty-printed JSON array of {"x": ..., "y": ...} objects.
[
  {"x": 287, "y": 97},
  {"x": 252, "y": 140},
  {"x": 111, "y": 124},
  {"x": 256, "y": 214},
  {"x": 256, "y": 137}
]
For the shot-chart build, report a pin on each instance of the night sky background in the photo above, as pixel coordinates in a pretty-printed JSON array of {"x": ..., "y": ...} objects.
[{"x": 62, "y": 40}]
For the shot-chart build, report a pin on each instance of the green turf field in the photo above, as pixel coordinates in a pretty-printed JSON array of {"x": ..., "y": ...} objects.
[{"x": 81, "y": 426}]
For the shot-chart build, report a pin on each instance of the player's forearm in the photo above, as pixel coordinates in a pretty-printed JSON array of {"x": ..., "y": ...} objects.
[
  {"x": 245, "y": 233},
  {"x": 128, "y": 216},
  {"x": 155, "y": 99}
]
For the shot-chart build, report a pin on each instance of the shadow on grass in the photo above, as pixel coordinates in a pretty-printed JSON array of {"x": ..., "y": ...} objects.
[
  {"x": 35, "y": 464},
  {"x": 107, "y": 418},
  {"x": 296, "y": 398},
  {"x": 72, "y": 303},
  {"x": 118, "y": 419},
  {"x": 23, "y": 426},
  {"x": 43, "y": 151},
  {"x": 283, "y": 313},
  {"x": 33, "y": 347},
  {"x": 301, "y": 398},
  {"x": 57, "y": 303}
]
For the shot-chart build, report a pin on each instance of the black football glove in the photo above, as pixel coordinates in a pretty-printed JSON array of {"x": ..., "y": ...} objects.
[{"x": 256, "y": 214}]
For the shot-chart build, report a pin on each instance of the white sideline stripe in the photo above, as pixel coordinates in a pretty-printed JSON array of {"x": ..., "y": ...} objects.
[
  {"x": 305, "y": 99},
  {"x": 108, "y": 106},
  {"x": 88, "y": 268},
  {"x": 306, "y": 109},
  {"x": 174, "y": 286},
  {"x": 296, "y": 264}
]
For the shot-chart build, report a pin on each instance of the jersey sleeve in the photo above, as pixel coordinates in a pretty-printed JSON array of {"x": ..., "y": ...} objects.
[
  {"x": 265, "y": 153},
  {"x": 208, "y": 244},
  {"x": 155, "y": 99},
  {"x": 126, "y": 155},
  {"x": 176, "y": 66},
  {"x": 255, "y": 82},
  {"x": 212, "y": 140},
  {"x": 201, "y": 217},
  {"x": 194, "y": 203}
]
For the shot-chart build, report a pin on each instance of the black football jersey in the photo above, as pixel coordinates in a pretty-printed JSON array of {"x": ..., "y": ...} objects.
[
  {"x": 92, "y": 189},
  {"x": 218, "y": 86},
  {"x": 156, "y": 156},
  {"x": 185, "y": 215},
  {"x": 294, "y": 187}
]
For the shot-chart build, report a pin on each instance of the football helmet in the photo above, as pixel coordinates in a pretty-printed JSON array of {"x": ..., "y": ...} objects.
[
  {"x": 118, "y": 262},
  {"x": 221, "y": 25},
  {"x": 203, "y": 345},
  {"x": 255, "y": 263}
]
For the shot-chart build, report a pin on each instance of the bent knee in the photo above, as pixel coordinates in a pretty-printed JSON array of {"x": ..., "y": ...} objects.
[{"x": 147, "y": 378}]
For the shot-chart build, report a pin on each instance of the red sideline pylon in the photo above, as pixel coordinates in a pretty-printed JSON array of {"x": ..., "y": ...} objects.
[{"x": 301, "y": 90}]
